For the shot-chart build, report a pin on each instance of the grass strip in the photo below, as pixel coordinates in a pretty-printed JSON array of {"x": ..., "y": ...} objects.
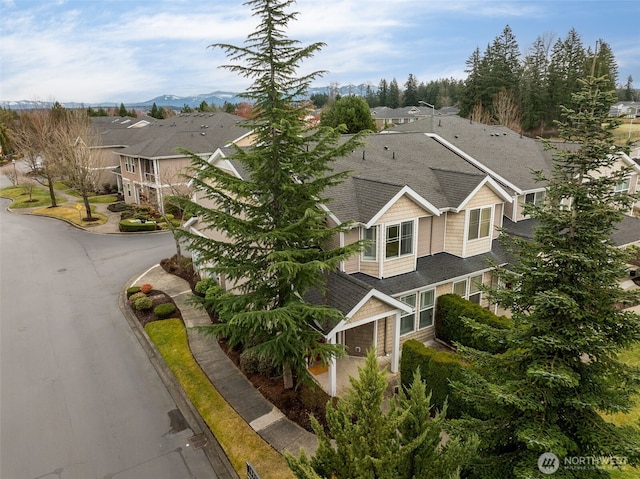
[
  {"x": 72, "y": 214},
  {"x": 103, "y": 199},
  {"x": 238, "y": 440}
]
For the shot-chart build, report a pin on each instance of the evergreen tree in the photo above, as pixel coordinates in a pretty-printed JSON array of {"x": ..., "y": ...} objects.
[
  {"x": 277, "y": 233},
  {"x": 628, "y": 93},
  {"x": 367, "y": 442},
  {"x": 383, "y": 93},
  {"x": 604, "y": 63},
  {"x": 319, "y": 99},
  {"x": 535, "y": 86},
  {"x": 393, "y": 95},
  {"x": 471, "y": 89},
  {"x": 122, "y": 111},
  {"x": 546, "y": 393},
  {"x": 566, "y": 68},
  {"x": 155, "y": 112},
  {"x": 410, "y": 94},
  {"x": 186, "y": 109},
  {"x": 351, "y": 111},
  {"x": 371, "y": 97}
]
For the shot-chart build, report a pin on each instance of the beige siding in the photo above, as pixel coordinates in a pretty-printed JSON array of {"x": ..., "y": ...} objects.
[
  {"x": 372, "y": 268},
  {"x": 484, "y": 197},
  {"x": 478, "y": 246},
  {"x": 439, "y": 225},
  {"x": 402, "y": 210},
  {"x": 393, "y": 267},
  {"x": 509, "y": 210},
  {"x": 422, "y": 335},
  {"x": 352, "y": 265},
  {"x": 424, "y": 236},
  {"x": 384, "y": 341},
  {"x": 455, "y": 234},
  {"x": 373, "y": 307}
]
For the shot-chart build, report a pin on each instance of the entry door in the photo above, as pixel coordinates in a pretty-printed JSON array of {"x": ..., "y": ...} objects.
[{"x": 359, "y": 339}]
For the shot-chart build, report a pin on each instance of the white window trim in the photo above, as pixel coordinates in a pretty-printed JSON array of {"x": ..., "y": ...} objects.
[
  {"x": 413, "y": 239},
  {"x": 417, "y": 309},
  {"x": 468, "y": 220},
  {"x": 467, "y": 287}
]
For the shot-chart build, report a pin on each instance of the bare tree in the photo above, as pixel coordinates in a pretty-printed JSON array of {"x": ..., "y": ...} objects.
[
  {"x": 35, "y": 139},
  {"x": 80, "y": 159},
  {"x": 11, "y": 173},
  {"x": 506, "y": 110},
  {"x": 480, "y": 114},
  {"x": 175, "y": 189}
]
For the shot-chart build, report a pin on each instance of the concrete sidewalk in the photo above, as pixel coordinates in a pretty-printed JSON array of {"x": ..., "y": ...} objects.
[{"x": 264, "y": 418}]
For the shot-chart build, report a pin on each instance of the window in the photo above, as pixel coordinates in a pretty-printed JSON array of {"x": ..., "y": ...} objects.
[
  {"x": 407, "y": 319},
  {"x": 130, "y": 165},
  {"x": 535, "y": 198},
  {"x": 479, "y": 222},
  {"x": 469, "y": 288},
  {"x": 128, "y": 188},
  {"x": 399, "y": 240},
  {"x": 425, "y": 315},
  {"x": 371, "y": 247},
  {"x": 623, "y": 186}
]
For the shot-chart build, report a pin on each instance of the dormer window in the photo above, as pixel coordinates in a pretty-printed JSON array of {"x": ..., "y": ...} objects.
[
  {"x": 399, "y": 240},
  {"x": 479, "y": 223},
  {"x": 622, "y": 187},
  {"x": 536, "y": 198}
]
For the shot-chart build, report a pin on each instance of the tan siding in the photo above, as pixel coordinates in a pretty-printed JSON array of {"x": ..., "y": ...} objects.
[
  {"x": 424, "y": 236},
  {"x": 478, "y": 246},
  {"x": 498, "y": 214},
  {"x": 396, "y": 266},
  {"x": 402, "y": 210},
  {"x": 370, "y": 267},
  {"x": 508, "y": 210},
  {"x": 484, "y": 197},
  {"x": 385, "y": 347},
  {"x": 352, "y": 265},
  {"x": 373, "y": 307},
  {"x": 455, "y": 233},
  {"x": 438, "y": 233},
  {"x": 422, "y": 335}
]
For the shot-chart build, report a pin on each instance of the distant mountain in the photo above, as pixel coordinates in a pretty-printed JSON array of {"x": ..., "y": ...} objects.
[{"x": 217, "y": 98}]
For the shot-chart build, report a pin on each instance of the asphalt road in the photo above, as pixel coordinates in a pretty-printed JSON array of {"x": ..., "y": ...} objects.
[{"x": 79, "y": 398}]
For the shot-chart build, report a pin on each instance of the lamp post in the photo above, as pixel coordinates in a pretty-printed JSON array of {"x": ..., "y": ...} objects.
[
  {"x": 433, "y": 112},
  {"x": 15, "y": 173}
]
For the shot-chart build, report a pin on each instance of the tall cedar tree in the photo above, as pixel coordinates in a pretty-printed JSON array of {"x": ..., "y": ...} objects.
[
  {"x": 277, "y": 244},
  {"x": 368, "y": 441},
  {"x": 546, "y": 393}
]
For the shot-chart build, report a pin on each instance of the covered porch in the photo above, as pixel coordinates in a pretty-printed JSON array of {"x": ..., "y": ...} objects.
[{"x": 346, "y": 368}]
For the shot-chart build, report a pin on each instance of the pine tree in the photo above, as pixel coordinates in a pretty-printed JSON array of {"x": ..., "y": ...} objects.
[
  {"x": 383, "y": 92},
  {"x": 405, "y": 442},
  {"x": 122, "y": 111},
  {"x": 410, "y": 94},
  {"x": 277, "y": 233},
  {"x": 393, "y": 95},
  {"x": 546, "y": 393}
]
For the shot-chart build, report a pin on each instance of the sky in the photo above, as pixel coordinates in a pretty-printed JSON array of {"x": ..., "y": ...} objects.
[{"x": 112, "y": 51}]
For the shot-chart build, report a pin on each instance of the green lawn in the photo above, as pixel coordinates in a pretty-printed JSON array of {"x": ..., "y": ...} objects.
[
  {"x": 239, "y": 441},
  {"x": 20, "y": 197}
]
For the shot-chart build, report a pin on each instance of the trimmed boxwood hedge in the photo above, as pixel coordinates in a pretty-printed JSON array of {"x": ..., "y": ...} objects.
[
  {"x": 128, "y": 226},
  {"x": 437, "y": 368},
  {"x": 163, "y": 311},
  {"x": 450, "y": 327},
  {"x": 132, "y": 290}
]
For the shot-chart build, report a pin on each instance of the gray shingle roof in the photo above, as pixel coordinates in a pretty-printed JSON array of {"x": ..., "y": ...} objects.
[
  {"x": 388, "y": 162},
  {"x": 439, "y": 268},
  {"x": 502, "y": 150}
]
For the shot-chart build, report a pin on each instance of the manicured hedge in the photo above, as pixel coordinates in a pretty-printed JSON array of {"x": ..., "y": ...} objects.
[
  {"x": 437, "y": 369},
  {"x": 451, "y": 328},
  {"x": 163, "y": 311},
  {"x": 128, "y": 226},
  {"x": 132, "y": 290}
]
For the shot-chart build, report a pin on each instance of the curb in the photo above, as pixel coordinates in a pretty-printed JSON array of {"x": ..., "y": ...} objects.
[{"x": 213, "y": 451}]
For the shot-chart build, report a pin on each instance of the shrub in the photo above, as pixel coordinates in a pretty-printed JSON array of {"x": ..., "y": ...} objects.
[
  {"x": 119, "y": 207},
  {"x": 137, "y": 295},
  {"x": 451, "y": 326},
  {"x": 128, "y": 226},
  {"x": 132, "y": 290},
  {"x": 146, "y": 288},
  {"x": 253, "y": 363},
  {"x": 163, "y": 311},
  {"x": 437, "y": 369},
  {"x": 142, "y": 303}
]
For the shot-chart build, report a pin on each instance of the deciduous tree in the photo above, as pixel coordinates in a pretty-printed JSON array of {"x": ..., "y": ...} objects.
[{"x": 351, "y": 111}]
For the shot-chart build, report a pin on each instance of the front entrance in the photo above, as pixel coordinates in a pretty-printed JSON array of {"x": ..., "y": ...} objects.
[{"x": 360, "y": 339}]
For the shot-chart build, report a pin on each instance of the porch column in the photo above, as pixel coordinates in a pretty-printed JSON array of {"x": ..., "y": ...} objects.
[
  {"x": 333, "y": 377},
  {"x": 395, "y": 352}
]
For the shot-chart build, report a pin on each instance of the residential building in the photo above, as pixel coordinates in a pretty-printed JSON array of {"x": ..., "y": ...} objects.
[{"x": 430, "y": 206}]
